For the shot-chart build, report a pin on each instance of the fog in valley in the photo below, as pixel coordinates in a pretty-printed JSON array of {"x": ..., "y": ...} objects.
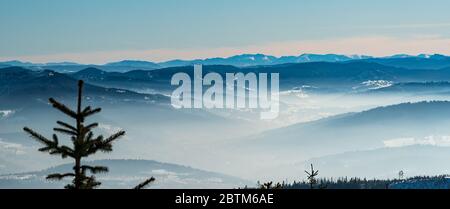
[{"x": 369, "y": 126}]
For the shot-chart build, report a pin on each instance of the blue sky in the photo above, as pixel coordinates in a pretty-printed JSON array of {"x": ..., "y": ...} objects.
[{"x": 97, "y": 31}]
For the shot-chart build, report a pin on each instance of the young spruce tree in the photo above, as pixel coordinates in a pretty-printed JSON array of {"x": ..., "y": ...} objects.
[
  {"x": 84, "y": 144},
  {"x": 312, "y": 177}
]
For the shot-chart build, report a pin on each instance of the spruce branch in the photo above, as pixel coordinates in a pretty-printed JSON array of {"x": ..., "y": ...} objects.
[
  {"x": 90, "y": 183},
  {"x": 115, "y": 136},
  {"x": 145, "y": 183},
  {"x": 38, "y": 137},
  {"x": 63, "y": 124},
  {"x": 65, "y": 131},
  {"x": 91, "y": 126},
  {"x": 63, "y": 108},
  {"x": 90, "y": 112},
  {"x": 58, "y": 176}
]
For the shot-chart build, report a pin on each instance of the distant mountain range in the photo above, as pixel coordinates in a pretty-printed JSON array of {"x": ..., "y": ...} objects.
[
  {"x": 67, "y": 67},
  {"x": 421, "y": 61},
  {"x": 415, "y": 88},
  {"x": 126, "y": 174},
  {"x": 324, "y": 76},
  {"x": 20, "y": 86},
  {"x": 246, "y": 60},
  {"x": 391, "y": 74}
]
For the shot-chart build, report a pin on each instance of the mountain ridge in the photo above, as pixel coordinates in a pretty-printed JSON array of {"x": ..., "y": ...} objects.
[
  {"x": 244, "y": 60},
  {"x": 19, "y": 84}
]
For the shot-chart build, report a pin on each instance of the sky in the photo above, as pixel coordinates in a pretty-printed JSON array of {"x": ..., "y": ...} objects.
[{"x": 100, "y": 31}]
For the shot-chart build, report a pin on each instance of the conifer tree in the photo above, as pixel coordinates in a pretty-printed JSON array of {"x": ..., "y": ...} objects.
[
  {"x": 267, "y": 185},
  {"x": 312, "y": 177},
  {"x": 270, "y": 185},
  {"x": 84, "y": 144}
]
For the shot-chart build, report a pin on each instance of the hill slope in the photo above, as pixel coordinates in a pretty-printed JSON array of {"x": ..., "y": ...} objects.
[
  {"x": 128, "y": 173},
  {"x": 353, "y": 131}
]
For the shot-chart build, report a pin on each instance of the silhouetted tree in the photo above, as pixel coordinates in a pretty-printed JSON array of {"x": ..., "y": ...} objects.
[
  {"x": 269, "y": 185},
  {"x": 84, "y": 144},
  {"x": 312, "y": 177},
  {"x": 401, "y": 174}
]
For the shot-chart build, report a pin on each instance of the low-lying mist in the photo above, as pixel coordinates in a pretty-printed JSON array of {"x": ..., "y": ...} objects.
[{"x": 311, "y": 127}]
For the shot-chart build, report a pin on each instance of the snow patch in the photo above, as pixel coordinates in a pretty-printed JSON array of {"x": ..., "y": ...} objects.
[
  {"x": 6, "y": 113},
  {"x": 377, "y": 84}
]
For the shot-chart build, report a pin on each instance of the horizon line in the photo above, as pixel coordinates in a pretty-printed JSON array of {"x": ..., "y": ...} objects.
[{"x": 217, "y": 57}]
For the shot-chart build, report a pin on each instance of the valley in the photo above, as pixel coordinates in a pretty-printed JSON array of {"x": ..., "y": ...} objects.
[{"x": 340, "y": 115}]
